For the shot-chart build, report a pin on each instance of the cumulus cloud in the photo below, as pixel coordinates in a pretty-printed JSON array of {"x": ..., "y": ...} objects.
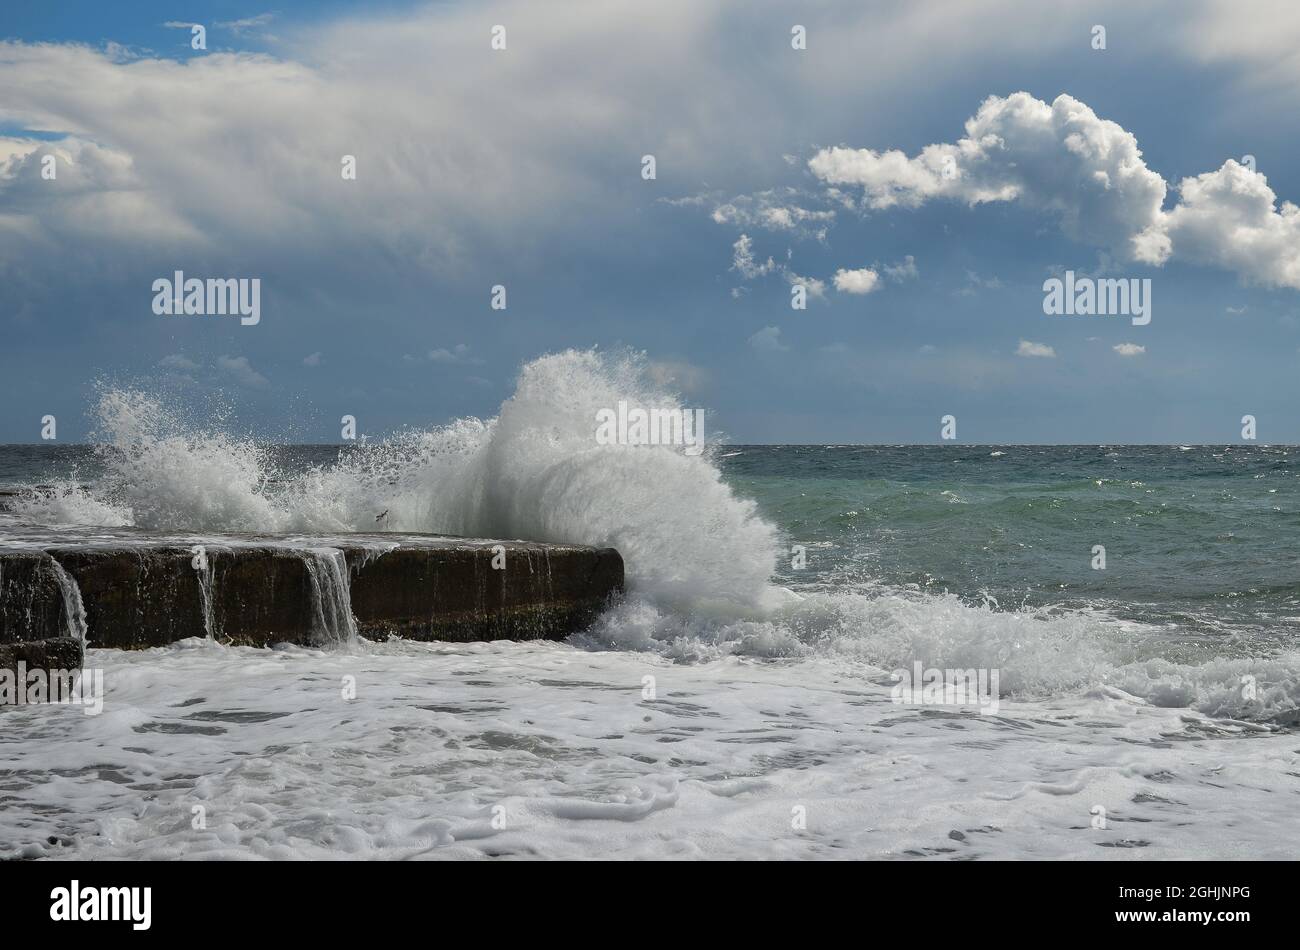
[
  {"x": 862, "y": 281},
  {"x": 1129, "y": 349},
  {"x": 1040, "y": 350},
  {"x": 815, "y": 288},
  {"x": 1230, "y": 218},
  {"x": 1062, "y": 159},
  {"x": 95, "y": 190}
]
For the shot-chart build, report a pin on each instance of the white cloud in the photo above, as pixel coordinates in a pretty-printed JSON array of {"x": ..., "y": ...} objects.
[
  {"x": 903, "y": 270},
  {"x": 1088, "y": 172},
  {"x": 1260, "y": 35},
  {"x": 242, "y": 372},
  {"x": 768, "y": 340},
  {"x": 1029, "y": 349},
  {"x": 206, "y": 139},
  {"x": 1129, "y": 349},
  {"x": 774, "y": 210},
  {"x": 1229, "y": 218},
  {"x": 1059, "y": 158},
  {"x": 246, "y": 24},
  {"x": 862, "y": 281},
  {"x": 96, "y": 191},
  {"x": 815, "y": 288},
  {"x": 742, "y": 259},
  {"x": 743, "y": 263}
]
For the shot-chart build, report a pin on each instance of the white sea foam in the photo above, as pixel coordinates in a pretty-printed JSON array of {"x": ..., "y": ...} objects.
[
  {"x": 541, "y": 750},
  {"x": 699, "y": 558}
]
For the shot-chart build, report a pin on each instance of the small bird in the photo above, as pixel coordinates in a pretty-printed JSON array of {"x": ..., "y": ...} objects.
[{"x": 383, "y": 516}]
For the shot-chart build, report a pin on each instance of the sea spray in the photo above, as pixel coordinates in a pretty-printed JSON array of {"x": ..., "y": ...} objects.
[
  {"x": 536, "y": 471},
  {"x": 887, "y": 587},
  {"x": 169, "y": 475},
  {"x": 68, "y": 503}
]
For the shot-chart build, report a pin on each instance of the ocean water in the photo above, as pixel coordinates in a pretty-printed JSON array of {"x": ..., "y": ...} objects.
[{"x": 741, "y": 700}]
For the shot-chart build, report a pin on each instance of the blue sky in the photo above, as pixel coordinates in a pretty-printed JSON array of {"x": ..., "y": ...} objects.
[{"x": 523, "y": 167}]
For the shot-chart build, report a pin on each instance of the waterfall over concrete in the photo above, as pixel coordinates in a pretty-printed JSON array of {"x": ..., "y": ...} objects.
[{"x": 123, "y": 588}]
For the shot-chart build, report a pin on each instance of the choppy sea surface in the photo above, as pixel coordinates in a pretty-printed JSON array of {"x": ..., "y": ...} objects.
[{"x": 739, "y": 701}]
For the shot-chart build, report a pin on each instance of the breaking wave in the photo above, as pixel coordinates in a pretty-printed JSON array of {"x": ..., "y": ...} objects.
[
  {"x": 533, "y": 472},
  {"x": 700, "y": 559}
]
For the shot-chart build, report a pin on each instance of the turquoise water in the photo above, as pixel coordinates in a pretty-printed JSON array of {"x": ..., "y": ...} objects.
[{"x": 1202, "y": 537}]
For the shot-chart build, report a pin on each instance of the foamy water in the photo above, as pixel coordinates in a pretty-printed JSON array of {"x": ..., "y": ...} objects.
[
  {"x": 542, "y": 750},
  {"x": 770, "y": 730}
]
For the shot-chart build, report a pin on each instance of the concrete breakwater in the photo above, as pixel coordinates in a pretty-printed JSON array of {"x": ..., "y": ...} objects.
[{"x": 130, "y": 591}]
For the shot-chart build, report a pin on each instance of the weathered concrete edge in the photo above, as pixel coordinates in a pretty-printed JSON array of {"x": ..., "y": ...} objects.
[
  {"x": 56, "y": 653},
  {"x": 143, "y": 596}
]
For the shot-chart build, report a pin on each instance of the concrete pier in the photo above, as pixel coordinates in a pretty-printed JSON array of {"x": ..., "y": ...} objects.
[{"x": 143, "y": 592}]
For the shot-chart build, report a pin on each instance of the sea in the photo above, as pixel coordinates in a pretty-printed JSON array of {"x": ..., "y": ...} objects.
[{"x": 1133, "y": 609}]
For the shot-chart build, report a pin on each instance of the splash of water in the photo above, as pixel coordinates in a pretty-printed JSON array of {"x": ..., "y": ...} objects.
[
  {"x": 699, "y": 559},
  {"x": 534, "y": 472}
]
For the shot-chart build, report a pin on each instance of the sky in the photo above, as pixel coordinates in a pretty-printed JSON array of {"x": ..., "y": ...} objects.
[{"x": 916, "y": 170}]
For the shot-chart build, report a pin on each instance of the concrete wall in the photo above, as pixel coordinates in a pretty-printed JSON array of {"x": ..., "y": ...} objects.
[{"x": 143, "y": 595}]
